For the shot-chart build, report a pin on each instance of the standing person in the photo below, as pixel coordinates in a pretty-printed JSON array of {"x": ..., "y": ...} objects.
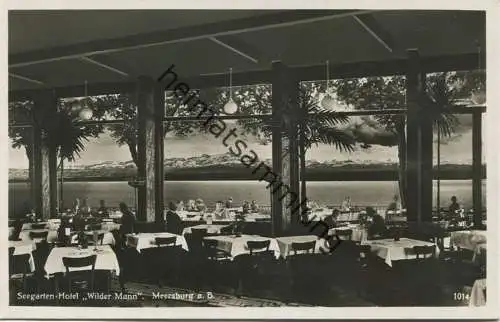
[
  {"x": 85, "y": 209},
  {"x": 229, "y": 203},
  {"x": 454, "y": 210},
  {"x": 128, "y": 220},
  {"x": 76, "y": 206},
  {"x": 174, "y": 222}
]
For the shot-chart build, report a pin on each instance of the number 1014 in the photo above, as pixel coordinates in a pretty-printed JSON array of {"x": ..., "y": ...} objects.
[{"x": 458, "y": 296}]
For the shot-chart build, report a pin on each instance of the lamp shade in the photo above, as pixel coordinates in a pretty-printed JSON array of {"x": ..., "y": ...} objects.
[
  {"x": 230, "y": 107},
  {"x": 328, "y": 102},
  {"x": 85, "y": 114},
  {"x": 478, "y": 97}
]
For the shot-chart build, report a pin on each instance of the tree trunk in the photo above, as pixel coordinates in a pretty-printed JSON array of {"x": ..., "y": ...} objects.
[{"x": 402, "y": 167}]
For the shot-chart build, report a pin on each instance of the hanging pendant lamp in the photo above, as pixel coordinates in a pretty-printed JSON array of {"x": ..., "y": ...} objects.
[
  {"x": 81, "y": 106},
  {"x": 328, "y": 102},
  {"x": 230, "y": 107}
]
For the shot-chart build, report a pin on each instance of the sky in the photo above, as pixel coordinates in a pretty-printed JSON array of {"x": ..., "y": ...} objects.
[{"x": 458, "y": 150}]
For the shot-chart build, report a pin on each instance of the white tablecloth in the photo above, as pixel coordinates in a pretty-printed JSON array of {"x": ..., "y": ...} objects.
[
  {"x": 468, "y": 239},
  {"x": 211, "y": 229},
  {"x": 110, "y": 226},
  {"x": 106, "y": 259},
  {"x": 147, "y": 240},
  {"x": 28, "y": 225},
  {"x": 108, "y": 238},
  {"x": 285, "y": 244},
  {"x": 477, "y": 297},
  {"x": 358, "y": 233},
  {"x": 238, "y": 245},
  {"x": 391, "y": 250},
  {"x": 24, "y": 247},
  {"x": 51, "y": 236}
]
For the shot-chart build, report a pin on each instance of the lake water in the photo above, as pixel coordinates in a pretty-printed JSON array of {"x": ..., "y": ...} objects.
[{"x": 363, "y": 193}]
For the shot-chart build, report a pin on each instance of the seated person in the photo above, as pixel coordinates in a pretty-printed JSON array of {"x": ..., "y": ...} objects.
[
  {"x": 454, "y": 208},
  {"x": 191, "y": 205},
  {"x": 200, "y": 205},
  {"x": 102, "y": 211},
  {"x": 246, "y": 207},
  {"x": 220, "y": 211},
  {"x": 377, "y": 228},
  {"x": 254, "y": 207},
  {"x": 394, "y": 206},
  {"x": 174, "y": 222},
  {"x": 180, "y": 206},
  {"x": 346, "y": 204}
]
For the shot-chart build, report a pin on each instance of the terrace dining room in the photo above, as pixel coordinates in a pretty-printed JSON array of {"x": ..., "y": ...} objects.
[{"x": 290, "y": 253}]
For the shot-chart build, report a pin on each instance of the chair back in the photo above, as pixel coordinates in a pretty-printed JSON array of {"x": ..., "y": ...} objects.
[
  {"x": 165, "y": 241},
  {"x": 344, "y": 233},
  {"x": 423, "y": 251},
  {"x": 304, "y": 247},
  {"x": 94, "y": 227},
  {"x": 78, "y": 262},
  {"x": 38, "y": 226},
  {"x": 254, "y": 245},
  {"x": 210, "y": 243},
  {"x": 227, "y": 230},
  {"x": 36, "y": 235},
  {"x": 199, "y": 232}
]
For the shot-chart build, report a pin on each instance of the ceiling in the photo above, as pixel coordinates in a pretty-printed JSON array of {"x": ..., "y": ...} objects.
[{"x": 51, "y": 49}]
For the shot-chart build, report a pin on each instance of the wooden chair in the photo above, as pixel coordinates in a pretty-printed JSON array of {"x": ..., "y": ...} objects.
[
  {"x": 212, "y": 252},
  {"x": 38, "y": 226},
  {"x": 307, "y": 247},
  {"x": 84, "y": 278},
  {"x": 39, "y": 235},
  {"x": 165, "y": 241},
  {"x": 424, "y": 252},
  {"x": 346, "y": 233},
  {"x": 100, "y": 239},
  {"x": 253, "y": 246}
]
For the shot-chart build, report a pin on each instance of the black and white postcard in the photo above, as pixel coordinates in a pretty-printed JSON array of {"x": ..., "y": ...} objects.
[{"x": 173, "y": 160}]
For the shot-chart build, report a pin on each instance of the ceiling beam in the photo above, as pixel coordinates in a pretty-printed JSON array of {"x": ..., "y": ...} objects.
[
  {"x": 429, "y": 64},
  {"x": 233, "y": 46},
  {"x": 373, "y": 27},
  {"x": 26, "y": 79},
  {"x": 105, "y": 66},
  {"x": 231, "y": 27}
]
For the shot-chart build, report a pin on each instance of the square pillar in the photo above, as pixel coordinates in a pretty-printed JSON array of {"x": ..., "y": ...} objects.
[
  {"x": 419, "y": 144},
  {"x": 285, "y": 192},
  {"x": 44, "y": 180},
  {"x": 477, "y": 168},
  {"x": 150, "y": 110}
]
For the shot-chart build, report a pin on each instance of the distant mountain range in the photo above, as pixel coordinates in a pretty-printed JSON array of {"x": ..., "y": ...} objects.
[{"x": 225, "y": 167}]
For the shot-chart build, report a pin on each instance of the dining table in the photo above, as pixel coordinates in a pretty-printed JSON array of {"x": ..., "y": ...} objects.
[
  {"x": 211, "y": 229},
  {"x": 106, "y": 259},
  {"x": 359, "y": 232},
  {"x": 235, "y": 245},
  {"x": 467, "y": 239},
  {"x": 147, "y": 240},
  {"x": 391, "y": 250},
  {"x": 24, "y": 247},
  {"x": 285, "y": 244}
]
